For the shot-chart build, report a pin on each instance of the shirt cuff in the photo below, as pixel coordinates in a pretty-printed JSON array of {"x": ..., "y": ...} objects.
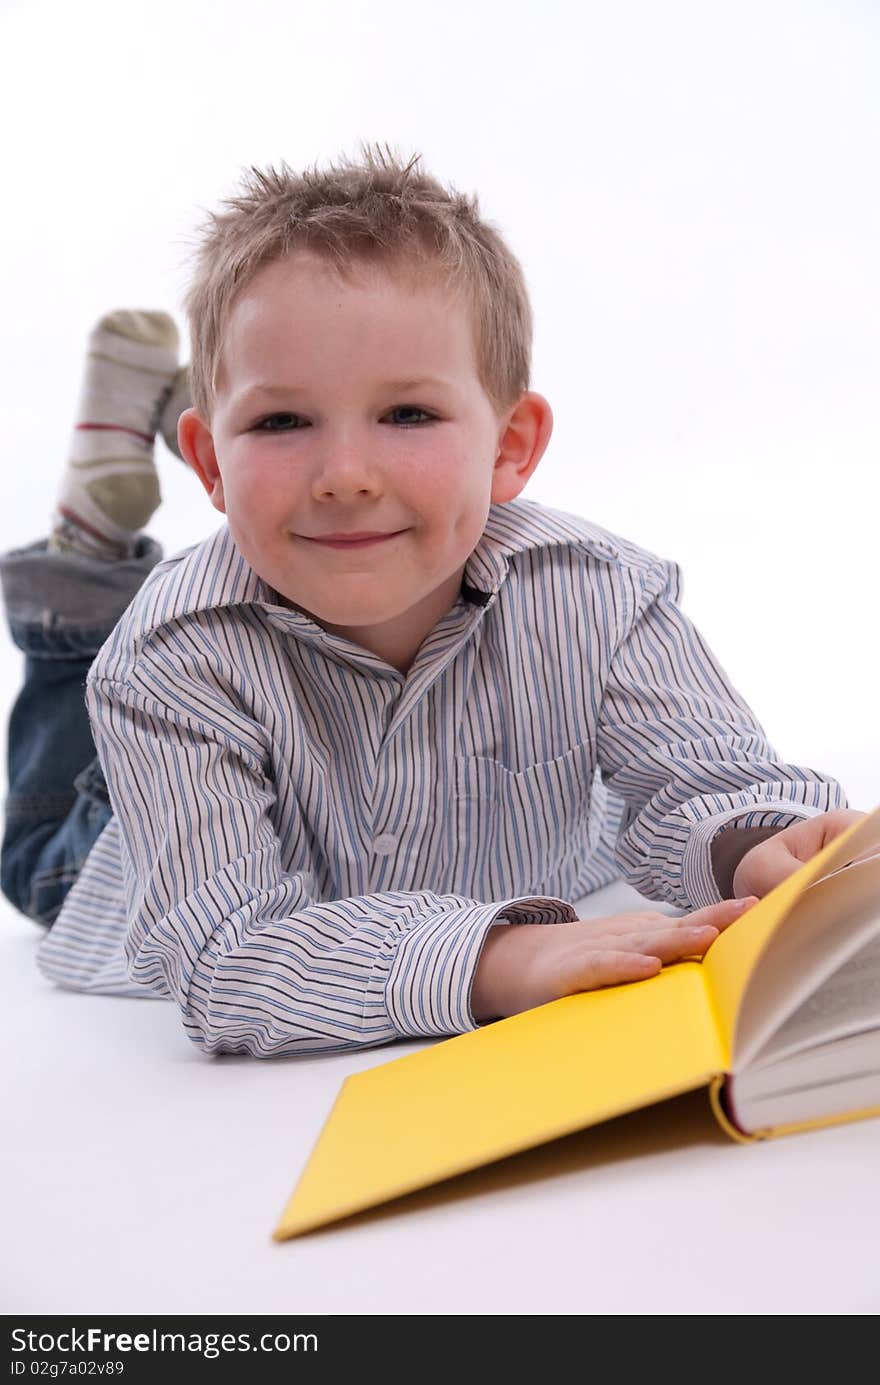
[
  {"x": 698, "y": 878},
  {"x": 428, "y": 990}
]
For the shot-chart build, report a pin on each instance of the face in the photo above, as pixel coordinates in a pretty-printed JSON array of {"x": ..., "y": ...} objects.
[{"x": 316, "y": 431}]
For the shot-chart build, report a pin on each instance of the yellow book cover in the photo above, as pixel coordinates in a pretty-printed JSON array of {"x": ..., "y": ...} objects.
[{"x": 558, "y": 1068}]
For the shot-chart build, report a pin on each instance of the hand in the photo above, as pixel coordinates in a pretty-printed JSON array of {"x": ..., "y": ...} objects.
[
  {"x": 782, "y": 854},
  {"x": 527, "y": 964}
]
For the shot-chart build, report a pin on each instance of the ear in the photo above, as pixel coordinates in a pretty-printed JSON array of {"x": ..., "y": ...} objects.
[
  {"x": 197, "y": 446},
  {"x": 523, "y": 441}
]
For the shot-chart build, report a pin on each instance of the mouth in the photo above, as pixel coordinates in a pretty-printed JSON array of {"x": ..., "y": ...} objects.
[{"x": 355, "y": 543}]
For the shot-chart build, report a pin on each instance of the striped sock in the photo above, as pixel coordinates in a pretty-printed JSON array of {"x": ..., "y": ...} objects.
[
  {"x": 110, "y": 487},
  {"x": 179, "y": 399}
]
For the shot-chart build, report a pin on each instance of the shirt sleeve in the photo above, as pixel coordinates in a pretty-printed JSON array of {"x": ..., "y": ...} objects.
[
  {"x": 254, "y": 961},
  {"x": 683, "y": 750}
]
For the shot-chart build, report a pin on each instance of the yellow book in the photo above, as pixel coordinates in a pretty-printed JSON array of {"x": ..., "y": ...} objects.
[{"x": 780, "y": 1022}]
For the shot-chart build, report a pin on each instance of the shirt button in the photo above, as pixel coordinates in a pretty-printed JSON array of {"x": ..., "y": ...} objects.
[{"x": 385, "y": 844}]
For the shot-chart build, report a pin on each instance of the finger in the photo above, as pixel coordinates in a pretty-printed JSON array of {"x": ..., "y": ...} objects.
[
  {"x": 632, "y": 958},
  {"x": 671, "y": 945},
  {"x": 719, "y": 915},
  {"x": 723, "y": 914},
  {"x": 591, "y": 971},
  {"x": 804, "y": 839},
  {"x": 624, "y": 923}
]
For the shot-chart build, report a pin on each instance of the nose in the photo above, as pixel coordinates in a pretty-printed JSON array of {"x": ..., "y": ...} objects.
[{"x": 345, "y": 467}]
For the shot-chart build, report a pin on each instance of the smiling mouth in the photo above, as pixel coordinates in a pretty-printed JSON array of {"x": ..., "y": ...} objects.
[{"x": 356, "y": 543}]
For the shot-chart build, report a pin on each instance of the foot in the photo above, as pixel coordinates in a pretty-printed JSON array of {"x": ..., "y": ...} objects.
[
  {"x": 110, "y": 487},
  {"x": 178, "y": 400}
]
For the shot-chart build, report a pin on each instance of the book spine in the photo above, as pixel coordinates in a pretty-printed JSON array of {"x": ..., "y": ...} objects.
[{"x": 722, "y": 1115}]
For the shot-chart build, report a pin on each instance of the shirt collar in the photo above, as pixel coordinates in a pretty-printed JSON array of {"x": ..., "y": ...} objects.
[{"x": 214, "y": 573}]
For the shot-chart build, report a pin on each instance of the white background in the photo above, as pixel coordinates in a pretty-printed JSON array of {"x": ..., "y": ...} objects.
[{"x": 692, "y": 190}]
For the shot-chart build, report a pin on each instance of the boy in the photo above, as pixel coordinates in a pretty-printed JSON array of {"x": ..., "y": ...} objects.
[{"x": 344, "y": 789}]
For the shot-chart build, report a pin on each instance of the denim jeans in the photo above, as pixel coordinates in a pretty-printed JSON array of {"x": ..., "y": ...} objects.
[{"x": 60, "y": 608}]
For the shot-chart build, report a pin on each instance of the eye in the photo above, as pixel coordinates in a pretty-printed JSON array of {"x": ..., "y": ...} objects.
[
  {"x": 414, "y": 409},
  {"x": 271, "y": 418},
  {"x": 261, "y": 426}
]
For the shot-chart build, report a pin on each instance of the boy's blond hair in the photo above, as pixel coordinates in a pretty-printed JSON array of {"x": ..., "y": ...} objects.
[{"x": 379, "y": 211}]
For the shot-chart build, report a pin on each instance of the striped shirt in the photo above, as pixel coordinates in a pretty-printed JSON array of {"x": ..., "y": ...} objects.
[{"x": 308, "y": 847}]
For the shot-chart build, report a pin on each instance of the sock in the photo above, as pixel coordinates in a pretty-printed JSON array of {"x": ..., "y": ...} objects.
[
  {"x": 110, "y": 487},
  {"x": 178, "y": 400}
]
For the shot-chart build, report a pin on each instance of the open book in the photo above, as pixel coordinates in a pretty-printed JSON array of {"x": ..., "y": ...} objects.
[{"x": 780, "y": 1022}]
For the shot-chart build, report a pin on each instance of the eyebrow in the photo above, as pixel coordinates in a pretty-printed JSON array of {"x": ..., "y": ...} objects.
[{"x": 274, "y": 391}]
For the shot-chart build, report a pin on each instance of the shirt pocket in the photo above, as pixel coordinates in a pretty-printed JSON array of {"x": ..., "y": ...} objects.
[{"x": 523, "y": 831}]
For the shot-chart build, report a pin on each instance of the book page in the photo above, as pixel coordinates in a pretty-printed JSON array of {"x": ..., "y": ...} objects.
[
  {"x": 848, "y": 1002},
  {"x": 736, "y": 957},
  {"x": 834, "y": 918},
  {"x": 840, "y": 1078},
  {"x": 869, "y": 855}
]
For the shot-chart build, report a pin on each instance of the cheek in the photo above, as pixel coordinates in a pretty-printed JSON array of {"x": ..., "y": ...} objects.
[
  {"x": 443, "y": 473},
  {"x": 256, "y": 487},
  {"x": 417, "y": 469}
]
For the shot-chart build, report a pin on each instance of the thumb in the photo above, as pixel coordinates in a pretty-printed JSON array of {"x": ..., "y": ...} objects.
[{"x": 768, "y": 863}]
